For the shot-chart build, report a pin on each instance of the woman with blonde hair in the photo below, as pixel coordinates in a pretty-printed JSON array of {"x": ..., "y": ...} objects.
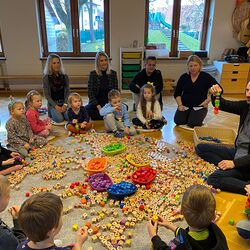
[
  {"x": 101, "y": 81},
  {"x": 56, "y": 89},
  {"x": 191, "y": 94}
]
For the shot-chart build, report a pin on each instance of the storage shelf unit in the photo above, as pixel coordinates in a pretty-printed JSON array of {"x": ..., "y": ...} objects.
[
  {"x": 131, "y": 62},
  {"x": 233, "y": 76}
]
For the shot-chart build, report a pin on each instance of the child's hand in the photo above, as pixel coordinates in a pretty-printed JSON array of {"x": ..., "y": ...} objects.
[
  {"x": 14, "y": 211},
  {"x": 150, "y": 114},
  {"x": 126, "y": 131},
  {"x": 247, "y": 188},
  {"x": 8, "y": 162},
  {"x": 64, "y": 107},
  {"x": 15, "y": 154},
  {"x": 81, "y": 237},
  {"x": 74, "y": 121},
  {"x": 83, "y": 124},
  {"x": 26, "y": 146},
  {"x": 152, "y": 228},
  {"x": 167, "y": 224}
]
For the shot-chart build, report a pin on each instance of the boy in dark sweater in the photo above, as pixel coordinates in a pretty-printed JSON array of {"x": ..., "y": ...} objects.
[
  {"x": 198, "y": 207},
  {"x": 9, "y": 237}
]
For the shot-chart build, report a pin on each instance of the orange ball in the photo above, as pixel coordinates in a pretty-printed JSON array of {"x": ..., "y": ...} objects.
[
  {"x": 88, "y": 224},
  {"x": 102, "y": 203}
]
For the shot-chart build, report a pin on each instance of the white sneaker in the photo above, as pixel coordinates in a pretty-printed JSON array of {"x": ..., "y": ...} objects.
[
  {"x": 58, "y": 123},
  {"x": 69, "y": 133},
  {"x": 58, "y": 243}
]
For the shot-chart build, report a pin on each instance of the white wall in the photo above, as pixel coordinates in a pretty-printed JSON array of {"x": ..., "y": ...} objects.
[{"x": 19, "y": 30}]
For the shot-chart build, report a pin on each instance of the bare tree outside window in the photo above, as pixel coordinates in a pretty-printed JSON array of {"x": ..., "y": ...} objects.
[{"x": 74, "y": 27}]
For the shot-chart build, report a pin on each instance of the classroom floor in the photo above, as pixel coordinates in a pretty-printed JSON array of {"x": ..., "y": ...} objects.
[{"x": 230, "y": 205}]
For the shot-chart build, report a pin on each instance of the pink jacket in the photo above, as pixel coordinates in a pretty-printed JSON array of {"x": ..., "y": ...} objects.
[{"x": 36, "y": 124}]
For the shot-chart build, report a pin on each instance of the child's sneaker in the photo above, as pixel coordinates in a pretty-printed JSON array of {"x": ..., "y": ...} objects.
[
  {"x": 69, "y": 133},
  {"x": 118, "y": 134}
]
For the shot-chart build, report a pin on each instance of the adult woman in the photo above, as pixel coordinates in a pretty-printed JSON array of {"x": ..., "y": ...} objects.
[
  {"x": 101, "y": 81},
  {"x": 56, "y": 89},
  {"x": 191, "y": 94}
]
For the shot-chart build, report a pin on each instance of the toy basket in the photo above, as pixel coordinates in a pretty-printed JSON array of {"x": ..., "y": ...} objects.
[
  {"x": 97, "y": 165},
  {"x": 113, "y": 148},
  {"x": 129, "y": 158},
  {"x": 100, "y": 182},
  {"x": 121, "y": 190},
  {"x": 144, "y": 175},
  {"x": 225, "y": 135}
]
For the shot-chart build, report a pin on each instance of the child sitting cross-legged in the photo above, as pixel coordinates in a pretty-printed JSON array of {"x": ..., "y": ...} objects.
[
  {"x": 116, "y": 118},
  {"x": 9, "y": 237},
  {"x": 198, "y": 207},
  {"x": 78, "y": 122},
  {"x": 19, "y": 134},
  {"x": 40, "y": 217},
  {"x": 148, "y": 113}
]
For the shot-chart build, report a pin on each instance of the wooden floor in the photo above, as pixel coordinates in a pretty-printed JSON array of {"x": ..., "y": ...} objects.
[{"x": 230, "y": 205}]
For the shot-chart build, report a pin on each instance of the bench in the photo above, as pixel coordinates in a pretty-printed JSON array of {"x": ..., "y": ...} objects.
[{"x": 30, "y": 81}]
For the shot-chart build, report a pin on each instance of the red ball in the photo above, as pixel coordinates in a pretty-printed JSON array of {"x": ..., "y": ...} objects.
[
  {"x": 27, "y": 194},
  {"x": 141, "y": 207}
]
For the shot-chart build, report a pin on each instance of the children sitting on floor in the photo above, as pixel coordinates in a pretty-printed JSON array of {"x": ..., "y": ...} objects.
[
  {"x": 38, "y": 126},
  {"x": 9, "y": 237},
  {"x": 116, "y": 118},
  {"x": 149, "y": 110},
  {"x": 9, "y": 161},
  {"x": 198, "y": 207},
  {"x": 40, "y": 217},
  {"x": 19, "y": 134},
  {"x": 78, "y": 122}
]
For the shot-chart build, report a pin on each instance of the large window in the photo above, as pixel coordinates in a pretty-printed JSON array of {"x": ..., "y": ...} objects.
[
  {"x": 177, "y": 25},
  {"x": 74, "y": 27}
]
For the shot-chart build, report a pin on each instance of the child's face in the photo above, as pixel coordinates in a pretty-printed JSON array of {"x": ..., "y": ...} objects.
[
  {"x": 56, "y": 65},
  {"x": 36, "y": 102},
  {"x": 18, "y": 110},
  {"x": 147, "y": 93},
  {"x": 76, "y": 103},
  {"x": 116, "y": 102},
  {"x": 4, "y": 200}
]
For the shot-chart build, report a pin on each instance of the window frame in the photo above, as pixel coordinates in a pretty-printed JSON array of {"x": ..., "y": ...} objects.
[
  {"x": 176, "y": 23},
  {"x": 1, "y": 43},
  {"x": 75, "y": 31}
]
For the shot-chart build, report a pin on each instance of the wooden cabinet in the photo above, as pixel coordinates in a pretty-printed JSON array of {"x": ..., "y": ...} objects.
[
  {"x": 131, "y": 62},
  {"x": 233, "y": 77}
]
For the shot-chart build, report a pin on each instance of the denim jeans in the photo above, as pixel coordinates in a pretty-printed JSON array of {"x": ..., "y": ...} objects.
[
  {"x": 58, "y": 116},
  {"x": 231, "y": 180}
]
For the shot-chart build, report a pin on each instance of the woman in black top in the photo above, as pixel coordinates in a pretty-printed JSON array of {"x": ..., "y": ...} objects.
[
  {"x": 191, "y": 94},
  {"x": 101, "y": 81},
  {"x": 56, "y": 89}
]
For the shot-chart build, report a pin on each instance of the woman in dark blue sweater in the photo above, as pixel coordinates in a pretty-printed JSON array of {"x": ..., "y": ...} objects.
[{"x": 191, "y": 94}]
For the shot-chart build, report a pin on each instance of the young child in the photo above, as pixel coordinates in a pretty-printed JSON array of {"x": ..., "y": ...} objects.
[
  {"x": 149, "y": 110},
  {"x": 40, "y": 217},
  {"x": 116, "y": 118},
  {"x": 38, "y": 126},
  {"x": 19, "y": 134},
  {"x": 78, "y": 122},
  {"x": 243, "y": 226},
  {"x": 9, "y": 161},
  {"x": 198, "y": 207},
  {"x": 9, "y": 237}
]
